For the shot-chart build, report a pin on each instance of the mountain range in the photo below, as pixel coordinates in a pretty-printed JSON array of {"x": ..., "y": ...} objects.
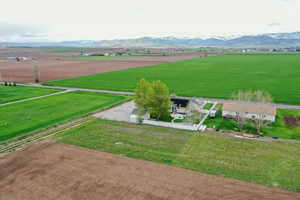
[{"x": 270, "y": 40}]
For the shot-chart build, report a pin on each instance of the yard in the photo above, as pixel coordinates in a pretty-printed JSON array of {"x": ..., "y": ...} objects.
[
  {"x": 269, "y": 163},
  {"x": 9, "y": 94},
  {"x": 278, "y": 129},
  {"x": 214, "y": 76},
  {"x": 23, "y": 118},
  {"x": 281, "y": 129},
  {"x": 208, "y": 106}
]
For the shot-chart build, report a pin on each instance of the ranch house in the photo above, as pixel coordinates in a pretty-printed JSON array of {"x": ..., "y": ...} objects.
[{"x": 249, "y": 111}]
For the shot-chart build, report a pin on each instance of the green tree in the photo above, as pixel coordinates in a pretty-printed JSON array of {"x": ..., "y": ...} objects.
[
  {"x": 141, "y": 97},
  {"x": 159, "y": 100}
]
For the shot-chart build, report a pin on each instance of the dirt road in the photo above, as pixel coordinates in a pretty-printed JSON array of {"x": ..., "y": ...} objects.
[
  {"x": 48, "y": 170},
  {"x": 200, "y": 99}
]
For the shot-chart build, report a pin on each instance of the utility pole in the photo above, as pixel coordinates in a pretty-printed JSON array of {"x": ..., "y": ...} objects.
[{"x": 36, "y": 71}]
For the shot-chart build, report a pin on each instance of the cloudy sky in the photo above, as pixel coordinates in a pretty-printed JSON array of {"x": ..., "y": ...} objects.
[{"x": 57, "y": 20}]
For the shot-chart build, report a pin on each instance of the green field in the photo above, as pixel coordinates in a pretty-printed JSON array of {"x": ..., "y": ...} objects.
[
  {"x": 281, "y": 130},
  {"x": 215, "y": 76},
  {"x": 277, "y": 129},
  {"x": 100, "y": 58},
  {"x": 9, "y": 94},
  {"x": 23, "y": 118},
  {"x": 269, "y": 163},
  {"x": 61, "y": 49}
]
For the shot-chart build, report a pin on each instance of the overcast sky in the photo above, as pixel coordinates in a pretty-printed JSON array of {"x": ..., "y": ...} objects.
[{"x": 56, "y": 20}]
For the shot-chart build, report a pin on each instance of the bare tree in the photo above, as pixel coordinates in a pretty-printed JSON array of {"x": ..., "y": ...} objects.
[
  {"x": 262, "y": 97},
  {"x": 240, "y": 119},
  {"x": 260, "y": 122},
  {"x": 252, "y": 96},
  {"x": 242, "y": 95},
  {"x": 240, "y": 115},
  {"x": 193, "y": 115}
]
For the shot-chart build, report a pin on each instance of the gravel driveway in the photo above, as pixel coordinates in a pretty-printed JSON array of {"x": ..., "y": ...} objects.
[{"x": 118, "y": 113}]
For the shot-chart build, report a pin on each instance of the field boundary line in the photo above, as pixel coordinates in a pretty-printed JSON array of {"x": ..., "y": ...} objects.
[{"x": 34, "y": 98}]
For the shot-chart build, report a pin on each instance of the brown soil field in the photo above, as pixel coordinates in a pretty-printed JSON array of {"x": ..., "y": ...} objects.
[
  {"x": 48, "y": 170},
  {"x": 34, "y": 52},
  {"x": 59, "y": 68},
  {"x": 292, "y": 120}
]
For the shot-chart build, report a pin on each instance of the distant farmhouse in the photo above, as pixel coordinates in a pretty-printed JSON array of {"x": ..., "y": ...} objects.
[
  {"x": 18, "y": 58},
  {"x": 249, "y": 111}
]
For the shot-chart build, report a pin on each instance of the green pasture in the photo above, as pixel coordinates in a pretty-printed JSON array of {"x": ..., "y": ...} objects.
[
  {"x": 270, "y": 163},
  {"x": 11, "y": 93},
  {"x": 214, "y": 76},
  {"x": 23, "y": 118},
  {"x": 280, "y": 129}
]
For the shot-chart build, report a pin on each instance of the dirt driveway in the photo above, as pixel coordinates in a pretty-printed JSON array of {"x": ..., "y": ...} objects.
[{"x": 49, "y": 170}]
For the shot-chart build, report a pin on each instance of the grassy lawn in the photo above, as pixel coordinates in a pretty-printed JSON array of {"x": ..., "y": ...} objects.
[
  {"x": 99, "y": 57},
  {"x": 9, "y": 94},
  {"x": 281, "y": 130},
  {"x": 22, "y": 118},
  {"x": 269, "y": 163},
  {"x": 277, "y": 129},
  {"x": 214, "y": 76},
  {"x": 208, "y": 106}
]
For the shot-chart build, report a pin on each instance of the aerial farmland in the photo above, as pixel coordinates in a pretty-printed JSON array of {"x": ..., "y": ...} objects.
[
  {"x": 50, "y": 130},
  {"x": 213, "y": 77},
  {"x": 55, "y": 63}
]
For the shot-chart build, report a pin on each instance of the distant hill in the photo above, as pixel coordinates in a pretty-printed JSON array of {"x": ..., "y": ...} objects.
[{"x": 264, "y": 40}]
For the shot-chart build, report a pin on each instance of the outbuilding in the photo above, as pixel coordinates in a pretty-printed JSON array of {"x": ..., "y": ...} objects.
[{"x": 249, "y": 111}]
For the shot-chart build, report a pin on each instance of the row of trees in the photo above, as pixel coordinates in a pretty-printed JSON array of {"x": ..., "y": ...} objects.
[
  {"x": 153, "y": 98},
  {"x": 251, "y": 96}
]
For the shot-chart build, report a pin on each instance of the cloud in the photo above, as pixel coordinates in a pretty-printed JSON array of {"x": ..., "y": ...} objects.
[
  {"x": 287, "y": 1},
  {"x": 96, "y": 20},
  {"x": 17, "y": 32},
  {"x": 274, "y": 24}
]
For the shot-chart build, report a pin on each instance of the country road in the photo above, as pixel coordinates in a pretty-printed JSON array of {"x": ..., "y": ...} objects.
[{"x": 221, "y": 101}]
